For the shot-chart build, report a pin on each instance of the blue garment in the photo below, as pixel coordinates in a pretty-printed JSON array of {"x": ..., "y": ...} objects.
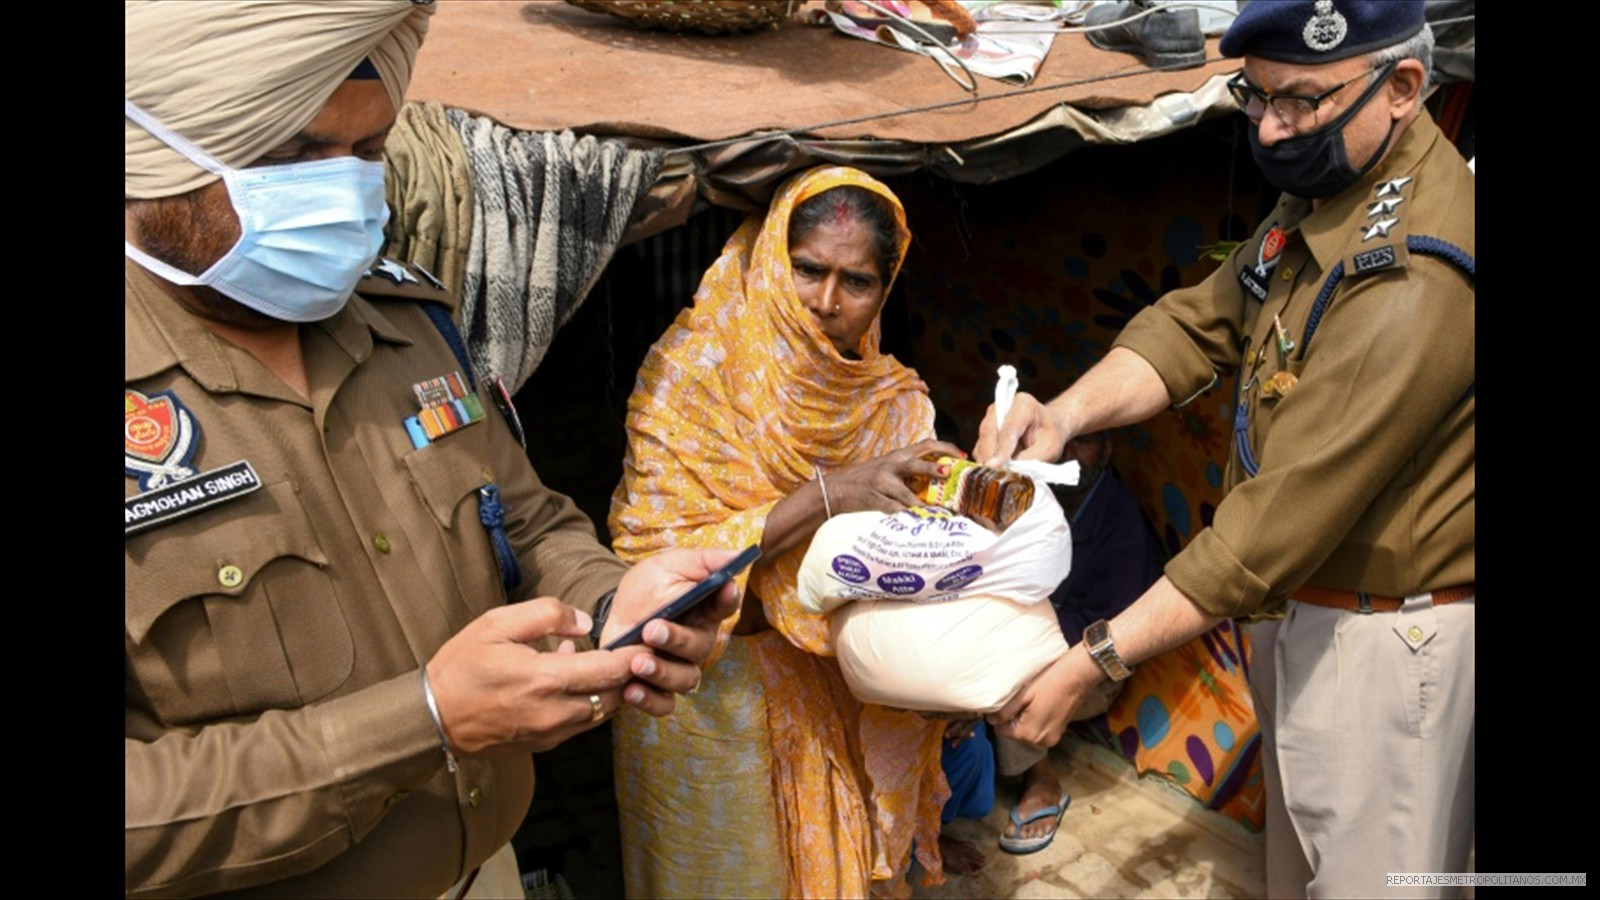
[
  {"x": 1115, "y": 557},
  {"x": 969, "y": 767}
]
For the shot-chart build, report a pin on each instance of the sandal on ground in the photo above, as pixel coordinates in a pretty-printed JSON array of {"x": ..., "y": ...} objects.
[{"x": 1018, "y": 844}]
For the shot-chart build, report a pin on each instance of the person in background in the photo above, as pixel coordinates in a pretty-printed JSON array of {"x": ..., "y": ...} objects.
[
  {"x": 967, "y": 759},
  {"x": 336, "y": 564},
  {"x": 1347, "y": 533}
]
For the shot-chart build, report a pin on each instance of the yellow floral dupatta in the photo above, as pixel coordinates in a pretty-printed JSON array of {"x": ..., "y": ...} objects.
[{"x": 735, "y": 408}]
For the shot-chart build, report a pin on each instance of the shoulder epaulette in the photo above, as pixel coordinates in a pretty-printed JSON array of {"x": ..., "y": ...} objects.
[
  {"x": 401, "y": 280},
  {"x": 1380, "y": 241},
  {"x": 1415, "y": 243}
]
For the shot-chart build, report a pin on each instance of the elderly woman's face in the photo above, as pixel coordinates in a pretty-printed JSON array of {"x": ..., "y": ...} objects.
[{"x": 837, "y": 278}]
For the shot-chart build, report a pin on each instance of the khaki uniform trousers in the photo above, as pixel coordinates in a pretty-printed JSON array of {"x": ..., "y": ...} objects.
[
  {"x": 497, "y": 879},
  {"x": 1367, "y": 724}
]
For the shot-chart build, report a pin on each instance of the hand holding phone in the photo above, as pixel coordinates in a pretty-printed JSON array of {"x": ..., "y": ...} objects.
[{"x": 688, "y": 600}]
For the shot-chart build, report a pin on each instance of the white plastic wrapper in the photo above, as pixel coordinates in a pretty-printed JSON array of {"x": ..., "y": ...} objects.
[
  {"x": 967, "y": 655},
  {"x": 934, "y": 555}
]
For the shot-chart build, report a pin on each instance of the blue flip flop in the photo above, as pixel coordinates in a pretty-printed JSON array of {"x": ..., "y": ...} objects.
[{"x": 1021, "y": 845}]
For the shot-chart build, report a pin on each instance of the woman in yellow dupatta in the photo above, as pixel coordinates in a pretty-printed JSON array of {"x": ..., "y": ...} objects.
[{"x": 764, "y": 409}]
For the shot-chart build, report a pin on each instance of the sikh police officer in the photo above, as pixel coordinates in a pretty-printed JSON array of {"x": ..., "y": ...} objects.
[{"x": 326, "y": 690}]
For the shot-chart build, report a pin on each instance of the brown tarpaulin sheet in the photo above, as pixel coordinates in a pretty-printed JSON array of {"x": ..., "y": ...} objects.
[{"x": 543, "y": 65}]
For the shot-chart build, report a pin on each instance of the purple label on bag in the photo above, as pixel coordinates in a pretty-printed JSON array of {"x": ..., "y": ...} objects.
[
  {"x": 900, "y": 582},
  {"x": 849, "y": 568},
  {"x": 960, "y": 578}
]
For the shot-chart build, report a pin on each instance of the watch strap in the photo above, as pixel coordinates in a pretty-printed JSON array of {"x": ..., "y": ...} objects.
[
  {"x": 1104, "y": 651},
  {"x": 602, "y": 610}
]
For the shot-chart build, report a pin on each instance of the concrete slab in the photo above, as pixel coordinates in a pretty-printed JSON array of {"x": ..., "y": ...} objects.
[{"x": 1122, "y": 836}]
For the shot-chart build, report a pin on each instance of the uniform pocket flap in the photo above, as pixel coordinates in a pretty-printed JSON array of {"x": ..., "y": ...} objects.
[
  {"x": 215, "y": 552},
  {"x": 449, "y": 469}
]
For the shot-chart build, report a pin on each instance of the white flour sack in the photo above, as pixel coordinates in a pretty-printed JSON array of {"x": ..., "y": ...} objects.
[
  {"x": 931, "y": 611},
  {"x": 968, "y": 655},
  {"x": 930, "y": 554}
]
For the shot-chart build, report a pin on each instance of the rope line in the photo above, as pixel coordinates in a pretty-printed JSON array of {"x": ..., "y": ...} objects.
[{"x": 932, "y": 107}]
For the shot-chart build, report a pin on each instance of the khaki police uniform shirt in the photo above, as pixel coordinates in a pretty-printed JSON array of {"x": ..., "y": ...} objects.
[
  {"x": 276, "y": 733},
  {"x": 1366, "y": 479}
]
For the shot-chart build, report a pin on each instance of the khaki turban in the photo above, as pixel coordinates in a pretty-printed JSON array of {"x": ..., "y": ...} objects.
[{"x": 240, "y": 77}]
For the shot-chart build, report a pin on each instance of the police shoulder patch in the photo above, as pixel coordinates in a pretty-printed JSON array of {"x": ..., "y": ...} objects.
[{"x": 1375, "y": 259}]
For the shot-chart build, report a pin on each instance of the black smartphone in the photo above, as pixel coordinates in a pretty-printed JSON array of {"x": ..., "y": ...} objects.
[{"x": 677, "y": 609}]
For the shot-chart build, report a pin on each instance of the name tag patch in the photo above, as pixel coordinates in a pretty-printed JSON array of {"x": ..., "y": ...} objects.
[
  {"x": 1252, "y": 283},
  {"x": 188, "y": 496}
]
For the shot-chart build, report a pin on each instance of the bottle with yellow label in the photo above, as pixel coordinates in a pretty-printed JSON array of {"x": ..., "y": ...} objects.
[{"x": 992, "y": 497}]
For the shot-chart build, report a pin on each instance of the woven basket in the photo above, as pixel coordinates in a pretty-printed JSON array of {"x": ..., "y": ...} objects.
[{"x": 705, "y": 16}]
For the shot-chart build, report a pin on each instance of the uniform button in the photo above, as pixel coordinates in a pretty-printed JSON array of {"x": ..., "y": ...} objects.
[
  {"x": 1415, "y": 634},
  {"x": 1288, "y": 274},
  {"x": 230, "y": 576},
  {"x": 381, "y": 541},
  {"x": 473, "y": 796}
]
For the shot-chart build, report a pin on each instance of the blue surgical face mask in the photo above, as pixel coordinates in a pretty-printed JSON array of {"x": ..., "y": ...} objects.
[{"x": 309, "y": 231}]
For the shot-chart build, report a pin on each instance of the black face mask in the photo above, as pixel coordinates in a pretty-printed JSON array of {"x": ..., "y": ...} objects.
[{"x": 1316, "y": 165}]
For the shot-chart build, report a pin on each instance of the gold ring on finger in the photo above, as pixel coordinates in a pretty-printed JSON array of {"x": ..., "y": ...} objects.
[{"x": 597, "y": 712}]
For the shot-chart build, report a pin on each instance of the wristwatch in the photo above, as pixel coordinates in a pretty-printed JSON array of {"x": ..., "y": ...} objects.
[
  {"x": 602, "y": 611},
  {"x": 1104, "y": 651}
]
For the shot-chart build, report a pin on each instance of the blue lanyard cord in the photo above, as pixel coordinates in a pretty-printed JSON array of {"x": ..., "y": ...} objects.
[
  {"x": 491, "y": 512},
  {"x": 440, "y": 315},
  {"x": 1241, "y": 429},
  {"x": 1416, "y": 244}
]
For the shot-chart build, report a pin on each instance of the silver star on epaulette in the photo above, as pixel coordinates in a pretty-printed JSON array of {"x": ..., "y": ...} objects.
[
  {"x": 1392, "y": 188},
  {"x": 1384, "y": 207},
  {"x": 393, "y": 271},
  {"x": 1379, "y": 228}
]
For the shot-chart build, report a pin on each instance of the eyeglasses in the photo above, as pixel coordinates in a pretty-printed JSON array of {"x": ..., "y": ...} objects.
[{"x": 1293, "y": 110}]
